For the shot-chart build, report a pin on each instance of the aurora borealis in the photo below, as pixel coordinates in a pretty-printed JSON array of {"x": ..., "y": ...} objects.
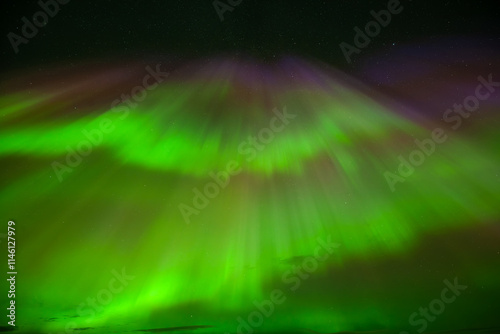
[
  {"x": 169, "y": 168},
  {"x": 319, "y": 181}
]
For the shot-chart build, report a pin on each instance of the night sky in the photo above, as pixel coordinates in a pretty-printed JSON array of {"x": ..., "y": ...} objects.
[
  {"x": 228, "y": 167},
  {"x": 265, "y": 29}
]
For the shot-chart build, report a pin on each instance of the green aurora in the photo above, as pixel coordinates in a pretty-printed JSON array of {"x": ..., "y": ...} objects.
[{"x": 319, "y": 180}]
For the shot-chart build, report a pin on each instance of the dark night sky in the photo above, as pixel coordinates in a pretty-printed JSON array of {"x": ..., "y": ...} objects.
[{"x": 88, "y": 30}]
